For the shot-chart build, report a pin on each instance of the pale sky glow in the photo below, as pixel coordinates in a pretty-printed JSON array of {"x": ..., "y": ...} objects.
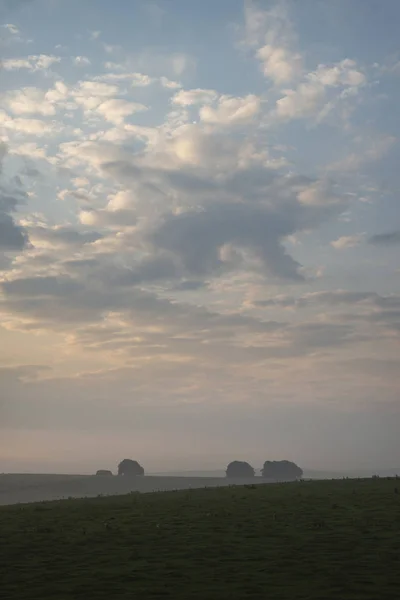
[{"x": 199, "y": 233}]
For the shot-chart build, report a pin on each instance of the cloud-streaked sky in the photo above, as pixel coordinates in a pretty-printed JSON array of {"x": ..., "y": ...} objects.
[{"x": 199, "y": 233}]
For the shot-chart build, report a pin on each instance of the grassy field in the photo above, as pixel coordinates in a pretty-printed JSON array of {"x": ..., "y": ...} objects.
[
  {"x": 314, "y": 540},
  {"x": 22, "y": 488}
]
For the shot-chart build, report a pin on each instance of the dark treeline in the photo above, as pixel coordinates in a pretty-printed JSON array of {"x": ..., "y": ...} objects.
[{"x": 277, "y": 470}]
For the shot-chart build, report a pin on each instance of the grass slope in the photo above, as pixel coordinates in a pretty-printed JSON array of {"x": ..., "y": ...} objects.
[
  {"x": 316, "y": 540},
  {"x": 21, "y": 488}
]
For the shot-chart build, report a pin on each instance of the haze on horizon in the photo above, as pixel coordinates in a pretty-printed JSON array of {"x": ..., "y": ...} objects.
[{"x": 199, "y": 234}]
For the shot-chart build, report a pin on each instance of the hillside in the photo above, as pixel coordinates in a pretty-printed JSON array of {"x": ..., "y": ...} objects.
[
  {"x": 313, "y": 540},
  {"x": 24, "y": 488}
]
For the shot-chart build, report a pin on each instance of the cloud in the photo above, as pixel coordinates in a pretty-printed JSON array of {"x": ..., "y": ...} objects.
[
  {"x": 270, "y": 32},
  {"x": 279, "y": 64},
  {"x": 81, "y": 61},
  {"x": 140, "y": 80},
  {"x": 169, "y": 84},
  {"x": 320, "y": 91},
  {"x": 347, "y": 241},
  {"x": 29, "y": 100},
  {"x": 390, "y": 238},
  {"x": 39, "y": 287},
  {"x": 61, "y": 236},
  {"x": 12, "y": 236},
  {"x": 331, "y": 298},
  {"x": 90, "y": 94},
  {"x": 231, "y": 111},
  {"x": 197, "y": 237},
  {"x": 196, "y": 96},
  {"x": 13, "y": 29},
  {"x": 27, "y": 126},
  {"x": 116, "y": 110},
  {"x": 39, "y": 62},
  {"x": 369, "y": 149}
]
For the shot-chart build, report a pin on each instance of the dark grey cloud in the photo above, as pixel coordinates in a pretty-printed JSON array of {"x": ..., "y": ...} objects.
[
  {"x": 331, "y": 298},
  {"x": 252, "y": 207},
  {"x": 40, "y": 286},
  {"x": 196, "y": 237},
  {"x": 323, "y": 335},
  {"x": 189, "y": 285},
  {"x": 150, "y": 269},
  {"x": 390, "y": 238},
  {"x": 12, "y": 236}
]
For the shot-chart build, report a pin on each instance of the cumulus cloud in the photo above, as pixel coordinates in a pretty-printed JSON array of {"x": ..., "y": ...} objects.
[
  {"x": 39, "y": 62},
  {"x": 197, "y": 237},
  {"x": 320, "y": 90},
  {"x": 35, "y": 127},
  {"x": 231, "y": 111},
  {"x": 61, "y": 236},
  {"x": 116, "y": 110},
  {"x": 347, "y": 241},
  {"x": 279, "y": 64},
  {"x": 196, "y": 96},
  {"x": 81, "y": 61},
  {"x": 29, "y": 100}
]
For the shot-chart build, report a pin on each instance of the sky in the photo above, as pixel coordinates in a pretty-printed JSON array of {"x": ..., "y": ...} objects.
[{"x": 199, "y": 233}]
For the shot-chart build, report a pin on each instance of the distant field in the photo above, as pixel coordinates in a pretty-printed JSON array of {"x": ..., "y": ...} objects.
[
  {"x": 20, "y": 488},
  {"x": 318, "y": 540}
]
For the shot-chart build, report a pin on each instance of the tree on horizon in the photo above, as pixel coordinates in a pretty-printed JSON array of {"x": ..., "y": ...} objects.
[
  {"x": 130, "y": 467},
  {"x": 281, "y": 470},
  {"x": 239, "y": 468}
]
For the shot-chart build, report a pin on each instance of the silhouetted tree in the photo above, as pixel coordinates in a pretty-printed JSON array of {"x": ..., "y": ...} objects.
[
  {"x": 130, "y": 467},
  {"x": 239, "y": 468},
  {"x": 281, "y": 470},
  {"x": 103, "y": 472}
]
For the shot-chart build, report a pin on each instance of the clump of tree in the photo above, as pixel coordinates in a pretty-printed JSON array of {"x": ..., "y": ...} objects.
[
  {"x": 130, "y": 468},
  {"x": 281, "y": 470},
  {"x": 104, "y": 472},
  {"x": 239, "y": 468}
]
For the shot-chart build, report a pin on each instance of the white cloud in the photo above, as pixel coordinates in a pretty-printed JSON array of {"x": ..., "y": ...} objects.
[
  {"x": 347, "y": 241},
  {"x": 81, "y": 181},
  {"x": 319, "y": 193},
  {"x": 196, "y": 96},
  {"x": 58, "y": 93},
  {"x": 116, "y": 110},
  {"x": 141, "y": 80},
  {"x": 169, "y": 84},
  {"x": 81, "y": 61},
  {"x": 313, "y": 96},
  {"x": 32, "y": 63},
  {"x": 232, "y": 110},
  {"x": 278, "y": 63},
  {"x": 13, "y": 29},
  {"x": 27, "y": 126},
  {"x": 30, "y": 149},
  {"x": 343, "y": 73},
  {"x": 29, "y": 100},
  {"x": 90, "y": 94}
]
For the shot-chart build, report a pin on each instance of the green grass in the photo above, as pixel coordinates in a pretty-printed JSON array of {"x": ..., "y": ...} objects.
[{"x": 315, "y": 540}]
